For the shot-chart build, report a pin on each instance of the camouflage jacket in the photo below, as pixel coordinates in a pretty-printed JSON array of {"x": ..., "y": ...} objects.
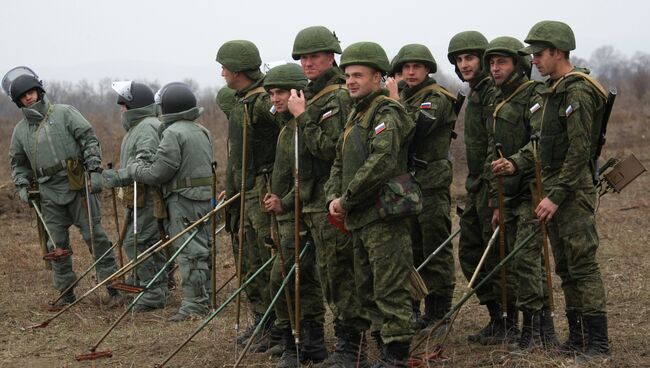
[
  {"x": 372, "y": 150},
  {"x": 516, "y": 116},
  {"x": 572, "y": 112},
  {"x": 320, "y": 127},
  {"x": 478, "y": 110},
  {"x": 42, "y": 142},
  {"x": 183, "y": 160},
  {"x": 431, "y": 108},
  {"x": 253, "y": 106}
]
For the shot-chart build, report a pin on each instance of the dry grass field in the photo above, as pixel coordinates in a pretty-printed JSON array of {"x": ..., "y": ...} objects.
[{"x": 145, "y": 339}]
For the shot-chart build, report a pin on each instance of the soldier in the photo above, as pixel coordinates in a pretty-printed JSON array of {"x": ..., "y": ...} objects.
[
  {"x": 465, "y": 52},
  {"x": 139, "y": 119},
  {"x": 321, "y": 112},
  {"x": 517, "y": 115},
  {"x": 182, "y": 167},
  {"x": 371, "y": 152},
  {"x": 240, "y": 61},
  {"x": 431, "y": 108},
  {"x": 573, "y": 106},
  {"x": 281, "y": 82},
  {"x": 395, "y": 82},
  {"x": 56, "y": 147}
]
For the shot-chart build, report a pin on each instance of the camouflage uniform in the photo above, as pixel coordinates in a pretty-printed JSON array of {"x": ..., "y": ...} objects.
[
  {"x": 573, "y": 107},
  {"x": 182, "y": 166},
  {"x": 431, "y": 107},
  {"x": 372, "y": 150},
  {"x": 50, "y": 140},
  {"x": 141, "y": 140}
]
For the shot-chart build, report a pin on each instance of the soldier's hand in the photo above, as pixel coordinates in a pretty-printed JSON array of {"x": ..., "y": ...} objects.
[
  {"x": 112, "y": 178},
  {"x": 391, "y": 86},
  {"x": 503, "y": 166},
  {"x": 221, "y": 196},
  {"x": 495, "y": 218},
  {"x": 546, "y": 209},
  {"x": 273, "y": 204},
  {"x": 95, "y": 182},
  {"x": 296, "y": 103},
  {"x": 336, "y": 210},
  {"x": 23, "y": 193}
]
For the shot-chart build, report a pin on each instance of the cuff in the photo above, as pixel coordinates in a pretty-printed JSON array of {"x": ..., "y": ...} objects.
[{"x": 557, "y": 195}]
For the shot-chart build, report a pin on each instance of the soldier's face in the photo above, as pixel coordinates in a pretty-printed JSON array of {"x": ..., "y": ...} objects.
[
  {"x": 361, "y": 80},
  {"x": 314, "y": 65},
  {"x": 501, "y": 67},
  {"x": 228, "y": 76},
  {"x": 280, "y": 99},
  {"x": 414, "y": 73},
  {"x": 29, "y": 98},
  {"x": 545, "y": 61},
  {"x": 123, "y": 108},
  {"x": 469, "y": 66}
]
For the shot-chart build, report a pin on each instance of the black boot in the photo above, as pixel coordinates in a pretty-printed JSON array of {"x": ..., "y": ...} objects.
[
  {"x": 530, "y": 334},
  {"x": 506, "y": 330},
  {"x": 597, "y": 340},
  {"x": 268, "y": 337},
  {"x": 257, "y": 318},
  {"x": 420, "y": 320},
  {"x": 495, "y": 322},
  {"x": 289, "y": 358},
  {"x": 549, "y": 338},
  {"x": 67, "y": 298},
  {"x": 313, "y": 343},
  {"x": 576, "y": 341},
  {"x": 350, "y": 350},
  {"x": 396, "y": 355}
]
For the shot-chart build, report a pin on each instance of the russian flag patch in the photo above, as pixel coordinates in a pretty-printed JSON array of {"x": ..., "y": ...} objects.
[
  {"x": 272, "y": 110},
  {"x": 425, "y": 105},
  {"x": 326, "y": 115},
  {"x": 568, "y": 111},
  {"x": 535, "y": 107},
  {"x": 380, "y": 128}
]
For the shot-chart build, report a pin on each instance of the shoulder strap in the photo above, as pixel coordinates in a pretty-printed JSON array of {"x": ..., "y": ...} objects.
[
  {"x": 254, "y": 91},
  {"x": 326, "y": 90},
  {"x": 512, "y": 95},
  {"x": 594, "y": 83},
  {"x": 435, "y": 87}
]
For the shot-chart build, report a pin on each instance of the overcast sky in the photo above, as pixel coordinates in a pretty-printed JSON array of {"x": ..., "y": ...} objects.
[{"x": 172, "y": 40}]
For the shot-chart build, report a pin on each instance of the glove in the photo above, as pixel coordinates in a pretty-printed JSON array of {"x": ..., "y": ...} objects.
[
  {"x": 95, "y": 182},
  {"x": 114, "y": 178},
  {"x": 131, "y": 169},
  {"x": 24, "y": 195}
]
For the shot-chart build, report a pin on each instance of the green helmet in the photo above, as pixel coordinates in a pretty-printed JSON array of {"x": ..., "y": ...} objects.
[
  {"x": 549, "y": 33},
  {"x": 366, "y": 53},
  {"x": 508, "y": 46},
  {"x": 226, "y": 99},
  {"x": 239, "y": 56},
  {"x": 464, "y": 42},
  {"x": 315, "y": 39},
  {"x": 414, "y": 52},
  {"x": 287, "y": 76}
]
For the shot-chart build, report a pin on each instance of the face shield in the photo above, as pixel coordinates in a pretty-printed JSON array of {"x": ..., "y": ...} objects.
[{"x": 13, "y": 74}]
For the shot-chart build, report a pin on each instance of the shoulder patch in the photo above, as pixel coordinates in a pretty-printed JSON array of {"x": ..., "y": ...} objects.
[
  {"x": 535, "y": 107},
  {"x": 568, "y": 111},
  {"x": 425, "y": 105},
  {"x": 326, "y": 115},
  {"x": 273, "y": 110},
  {"x": 380, "y": 128}
]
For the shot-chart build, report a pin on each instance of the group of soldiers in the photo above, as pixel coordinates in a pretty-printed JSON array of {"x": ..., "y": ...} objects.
[{"x": 355, "y": 170}]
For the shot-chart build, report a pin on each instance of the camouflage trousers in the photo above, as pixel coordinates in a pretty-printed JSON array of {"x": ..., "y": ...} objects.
[
  {"x": 311, "y": 295},
  {"x": 194, "y": 260},
  {"x": 334, "y": 256},
  {"x": 382, "y": 264},
  {"x": 58, "y": 219},
  {"x": 528, "y": 264},
  {"x": 148, "y": 234},
  {"x": 257, "y": 227},
  {"x": 475, "y": 233},
  {"x": 432, "y": 227},
  {"x": 574, "y": 239}
]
